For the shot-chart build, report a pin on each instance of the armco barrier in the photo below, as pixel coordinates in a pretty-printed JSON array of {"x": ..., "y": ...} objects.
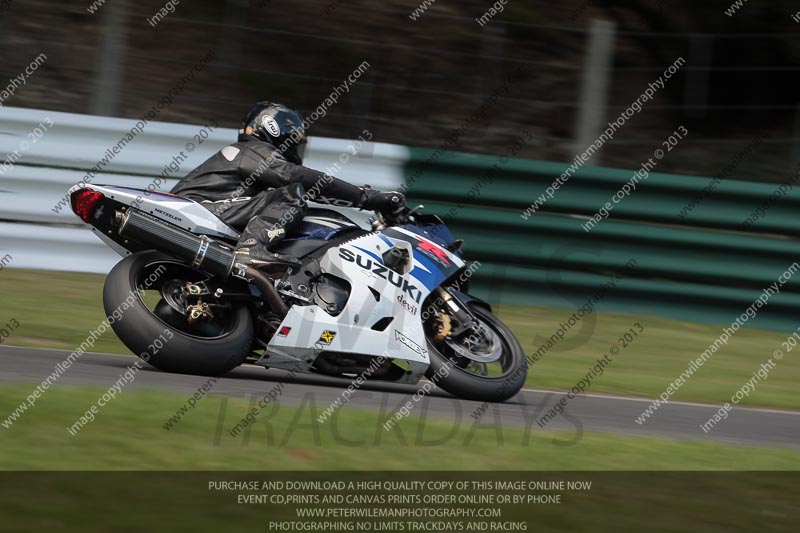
[
  {"x": 37, "y": 236},
  {"x": 698, "y": 268}
]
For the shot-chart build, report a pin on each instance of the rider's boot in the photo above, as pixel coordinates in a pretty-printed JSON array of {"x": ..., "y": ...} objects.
[{"x": 255, "y": 245}]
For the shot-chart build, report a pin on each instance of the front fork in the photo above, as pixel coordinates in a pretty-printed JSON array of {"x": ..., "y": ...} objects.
[{"x": 466, "y": 320}]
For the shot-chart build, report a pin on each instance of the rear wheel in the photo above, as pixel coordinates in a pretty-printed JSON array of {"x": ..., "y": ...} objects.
[
  {"x": 486, "y": 364},
  {"x": 145, "y": 294}
]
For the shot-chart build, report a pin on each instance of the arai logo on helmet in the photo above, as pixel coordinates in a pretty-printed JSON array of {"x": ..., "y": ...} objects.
[{"x": 271, "y": 125}]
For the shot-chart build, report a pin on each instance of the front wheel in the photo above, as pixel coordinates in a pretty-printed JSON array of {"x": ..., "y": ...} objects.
[
  {"x": 485, "y": 365},
  {"x": 144, "y": 295}
]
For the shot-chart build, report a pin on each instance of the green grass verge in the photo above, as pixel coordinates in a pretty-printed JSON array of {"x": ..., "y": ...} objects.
[
  {"x": 128, "y": 434},
  {"x": 657, "y": 357},
  {"x": 57, "y": 310}
]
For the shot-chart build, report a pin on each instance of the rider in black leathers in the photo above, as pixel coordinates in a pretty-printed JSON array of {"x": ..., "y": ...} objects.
[{"x": 259, "y": 186}]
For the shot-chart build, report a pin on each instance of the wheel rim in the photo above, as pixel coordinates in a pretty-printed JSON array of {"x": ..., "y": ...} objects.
[
  {"x": 496, "y": 364},
  {"x": 483, "y": 347},
  {"x": 159, "y": 291}
]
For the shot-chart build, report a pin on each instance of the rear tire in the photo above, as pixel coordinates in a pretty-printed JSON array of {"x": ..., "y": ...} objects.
[
  {"x": 468, "y": 386},
  {"x": 138, "y": 327}
]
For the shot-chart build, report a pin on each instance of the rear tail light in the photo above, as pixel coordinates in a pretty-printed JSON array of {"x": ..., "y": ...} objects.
[{"x": 84, "y": 203}]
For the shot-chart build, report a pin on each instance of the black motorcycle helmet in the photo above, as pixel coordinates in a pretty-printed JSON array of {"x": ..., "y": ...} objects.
[{"x": 277, "y": 125}]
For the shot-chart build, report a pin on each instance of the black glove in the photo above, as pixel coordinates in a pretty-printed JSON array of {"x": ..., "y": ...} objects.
[{"x": 386, "y": 203}]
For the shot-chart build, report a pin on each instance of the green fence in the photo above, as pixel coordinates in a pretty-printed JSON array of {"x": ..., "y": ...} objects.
[{"x": 702, "y": 267}]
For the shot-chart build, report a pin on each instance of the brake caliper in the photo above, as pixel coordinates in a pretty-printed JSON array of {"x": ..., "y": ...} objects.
[{"x": 199, "y": 310}]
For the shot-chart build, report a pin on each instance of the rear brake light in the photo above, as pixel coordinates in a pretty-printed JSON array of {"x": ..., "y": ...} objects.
[{"x": 84, "y": 202}]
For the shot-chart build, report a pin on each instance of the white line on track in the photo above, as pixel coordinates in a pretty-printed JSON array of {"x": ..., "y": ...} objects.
[
  {"x": 692, "y": 404},
  {"x": 600, "y": 396}
]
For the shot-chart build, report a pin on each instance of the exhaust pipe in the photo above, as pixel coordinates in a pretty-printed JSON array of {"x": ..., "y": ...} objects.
[{"x": 200, "y": 252}]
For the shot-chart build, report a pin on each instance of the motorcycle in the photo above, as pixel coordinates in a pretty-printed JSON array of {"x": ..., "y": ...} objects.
[{"x": 386, "y": 299}]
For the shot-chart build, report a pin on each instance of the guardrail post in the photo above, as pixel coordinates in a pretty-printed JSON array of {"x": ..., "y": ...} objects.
[
  {"x": 493, "y": 40},
  {"x": 232, "y": 34},
  {"x": 794, "y": 157},
  {"x": 594, "y": 88},
  {"x": 696, "y": 88},
  {"x": 111, "y": 59}
]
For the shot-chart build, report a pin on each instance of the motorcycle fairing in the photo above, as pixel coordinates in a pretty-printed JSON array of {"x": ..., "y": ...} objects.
[
  {"x": 181, "y": 212},
  {"x": 435, "y": 263},
  {"x": 194, "y": 217},
  {"x": 382, "y": 316}
]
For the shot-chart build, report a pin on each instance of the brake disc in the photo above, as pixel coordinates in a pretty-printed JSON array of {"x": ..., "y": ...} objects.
[{"x": 483, "y": 347}]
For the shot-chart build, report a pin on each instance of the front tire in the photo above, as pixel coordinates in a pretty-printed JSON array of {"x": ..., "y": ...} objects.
[
  {"x": 184, "y": 350},
  {"x": 452, "y": 373}
]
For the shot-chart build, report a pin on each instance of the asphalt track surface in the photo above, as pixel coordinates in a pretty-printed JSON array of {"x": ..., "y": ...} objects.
[{"x": 588, "y": 413}]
